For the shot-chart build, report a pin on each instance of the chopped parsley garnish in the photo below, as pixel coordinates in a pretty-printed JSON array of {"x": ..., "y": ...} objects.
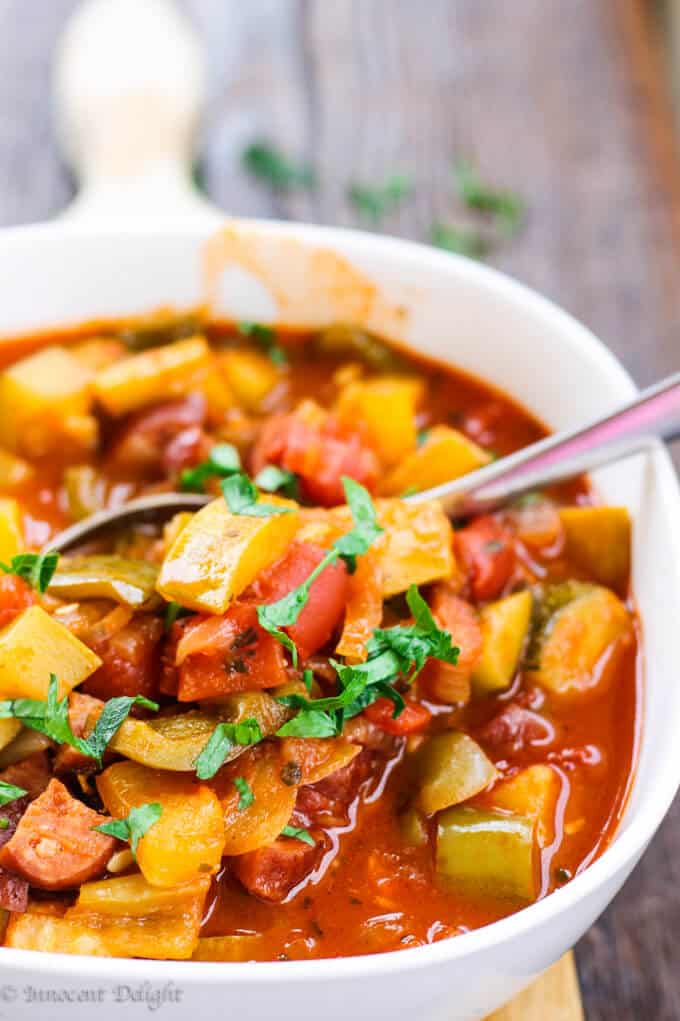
[
  {"x": 4, "y": 822},
  {"x": 50, "y": 717},
  {"x": 274, "y": 479},
  {"x": 460, "y": 240},
  {"x": 173, "y": 612},
  {"x": 377, "y": 202},
  {"x": 265, "y": 336},
  {"x": 507, "y": 208},
  {"x": 35, "y": 568},
  {"x": 396, "y": 653},
  {"x": 222, "y": 462},
  {"x": 138, "y": 822},
  {"x": 247, "y": 797},
  {"x": 242, "y": 495},
  {"x": 10, "y": 792},
  {"x": 285, "y": 612},
  {"x": 299, "y": 834},
  {"x": 223, "y": 739},
  {"x": 269, "y": 165}
]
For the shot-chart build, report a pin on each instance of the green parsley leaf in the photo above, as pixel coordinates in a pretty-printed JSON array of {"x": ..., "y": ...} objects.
[
  {"x": 35, "y": 568},
  {"x": 242, "y": 495},
  {"x": 138, "y": 822},
  {"x": 272, "y": 479},
  {"x": 507, "y": 208},
  {"x": 223, "y": 461},
  {"x": 50, "y": 717},
  {"x": 310, "y": 723},
  {"x": 245, "y": 790},
  {"x": 460, "y": 241},
  {"x": 376, "y": 203},
  {"x": 4, "y": 822},
  {"x": 268, "y": 164},
  {"x": 413, "y": 644},
  {"x": 299, "y": 834},
  {"x": 10, "y": 792},
  {"x": 112, "y": 716},
  {"x": 308, "y": 679},
  {"x": 223, "y": 738},
  {"x": 173, "y": 612},
  {"x": 265, "y": 336},
  {"x": 285, "y": 611}
]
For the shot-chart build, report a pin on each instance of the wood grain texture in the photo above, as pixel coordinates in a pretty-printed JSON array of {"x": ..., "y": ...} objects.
[
  {"x": 553, "y": 997},
  {"x": 560, "y": 100}
]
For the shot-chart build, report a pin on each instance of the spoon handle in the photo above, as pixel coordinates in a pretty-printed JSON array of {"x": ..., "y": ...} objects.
[{"x": 654, "y": 414}]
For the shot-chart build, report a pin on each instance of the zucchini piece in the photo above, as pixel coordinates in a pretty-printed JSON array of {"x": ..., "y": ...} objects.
[
  {"x": 187, "y": 839},
  {"x": 451, "y": 768},
  {"x": 218, "y": 554},
  {"x": 445, "y": 454},
  {"x": 598, "y": 539},
  {"x": 35, "y": 645},
  {"x": 505, "y": 626},
  {"x": 153, "y": 375},
  {"x": 106, "y": 576},
  {"x": 532, "y": 793},
  {"x": 578, "y": 624},
  {"x": 488, "y": 853}
]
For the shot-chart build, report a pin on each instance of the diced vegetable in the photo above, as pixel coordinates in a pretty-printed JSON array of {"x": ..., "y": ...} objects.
[
  {"x": 131, "y": 918},
  {"x": 106, "y": 576},
  {"x": 250, "y": 376},
  {"x": 531, "y": 793},
  {"x": 153, "y": 375},
  {"x": 241, "y": 947},
  {"x": 363, "y": 608},
  {"x": 448, "y": 682},
  {"x": 45, "y": 398},
  {"x": 414, "y": 549},
  {"x": 97, "y": 352},
  {"x": 489, "y": 853},
  {"x": 505, "y": 626},
  {"x": 11, "y": 532},
  {"x": 342, "y": 338},
  {"x": 129, "y": 651},
  {"x": 14, "y": 471},
  {"x": 451, "y": 768},
  {"x": 218, "y": 554},
  {"x": 413, "y": 826},
  {"x": 187, "y": 839},
  {"x": 577, "y": 642},
  {"x": 8, "y": 731},
  {"x": 599, "y": 541},
  {"x": 411, "y": 720},
  {"x": 444, "y": 454},
  {"x": 485, "y": 551},
  {"x": 33, "y": 646},
  {"x": 85, "y": 491},
  {"x": 52, "y": 934},
  {"x": 175, "y": 742},
  {"x": 309, "y": 759},
  {"x": 385, "y": 409},
  {"x": 273, "y": 799}
]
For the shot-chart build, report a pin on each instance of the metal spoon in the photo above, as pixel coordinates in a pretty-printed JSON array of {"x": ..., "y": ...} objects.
[{"x": 655, "y": 413}]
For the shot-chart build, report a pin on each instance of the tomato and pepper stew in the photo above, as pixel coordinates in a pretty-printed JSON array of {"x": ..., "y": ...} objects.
[{"x": 312, "y": 718}]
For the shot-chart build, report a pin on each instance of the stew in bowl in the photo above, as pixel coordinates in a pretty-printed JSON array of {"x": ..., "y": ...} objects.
[{"x": 311, "y": 719}]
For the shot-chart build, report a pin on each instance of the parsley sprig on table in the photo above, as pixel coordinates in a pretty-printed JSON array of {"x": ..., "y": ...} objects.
[
  {"x": 137, "y": 823},
  {"x": 374, "y": 203},
  {"x": 35, "y": 568},
  {"x": 285, "y": 612},
  {"x": 267, "y": 163},
  {"x": 396, "y": 653},
  {"x": 50, "y": 717},
  {"x": 506, "y": 207}
]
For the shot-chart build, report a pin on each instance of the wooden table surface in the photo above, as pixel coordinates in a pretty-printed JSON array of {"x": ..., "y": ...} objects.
[{"x": 560, "y": 100}]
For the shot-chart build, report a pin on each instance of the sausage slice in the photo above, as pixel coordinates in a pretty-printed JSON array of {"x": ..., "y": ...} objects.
[{"x": 54, "y": 845}]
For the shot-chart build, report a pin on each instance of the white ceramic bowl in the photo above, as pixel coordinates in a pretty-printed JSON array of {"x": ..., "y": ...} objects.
[{"x": 474, "y": 318}]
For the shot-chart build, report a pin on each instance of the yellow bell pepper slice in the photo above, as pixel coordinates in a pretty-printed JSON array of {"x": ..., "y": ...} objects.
[
  {"x": 11, "y": 531},
  {"x": 187, "y": 839},
  {"x": 35, "y": 645},
  {"x": 218, "y": 554},
  {"x": 386, "y": 410},
  {"x": 598, "y": 539},
  {"x": 250, "y": 376},
  {"x": 154, "y": 375},
  {"x": 505, "y": 626},
  {"x": 444, "y": 454}
]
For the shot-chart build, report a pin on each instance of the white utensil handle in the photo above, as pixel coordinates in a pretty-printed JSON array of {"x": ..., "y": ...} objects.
[{"x": 129, "y": 85}]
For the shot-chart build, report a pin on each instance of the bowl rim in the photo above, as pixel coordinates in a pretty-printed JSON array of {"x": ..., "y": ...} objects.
[{"x": 627, "y": 845}]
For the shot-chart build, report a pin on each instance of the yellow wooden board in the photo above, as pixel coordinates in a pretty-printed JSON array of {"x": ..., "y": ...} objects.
[{"x": 555, "y": 996}]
